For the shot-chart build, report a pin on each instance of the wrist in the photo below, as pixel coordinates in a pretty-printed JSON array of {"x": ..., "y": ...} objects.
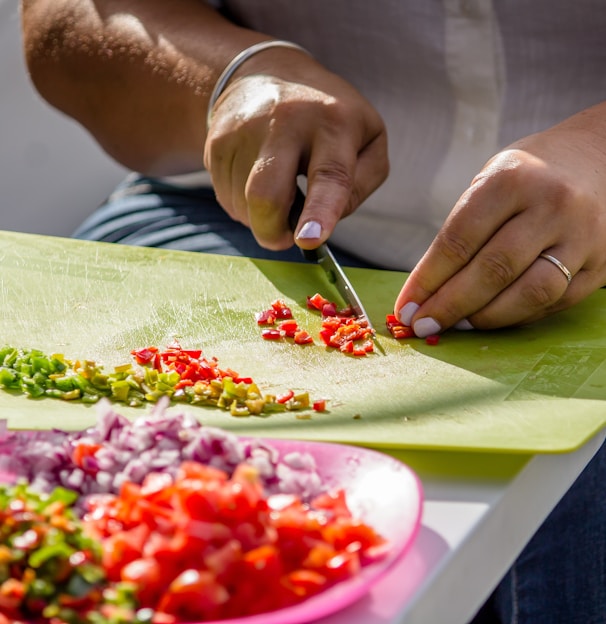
[{"x": 234, "y": 65}]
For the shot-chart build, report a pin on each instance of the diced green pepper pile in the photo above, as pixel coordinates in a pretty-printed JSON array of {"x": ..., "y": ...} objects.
[{"x": 173, "y": 373}]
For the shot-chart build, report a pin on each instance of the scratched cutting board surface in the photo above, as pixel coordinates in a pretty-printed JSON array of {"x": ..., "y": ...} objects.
[{"x": 540, "y": 388}]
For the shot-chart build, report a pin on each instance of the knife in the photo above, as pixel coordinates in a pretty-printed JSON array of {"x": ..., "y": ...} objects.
[{"x": 323, "y": 256}]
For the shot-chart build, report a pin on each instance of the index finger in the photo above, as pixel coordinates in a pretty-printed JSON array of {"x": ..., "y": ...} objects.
[
  {"x": 482, "y": 210},
  {"x": 339, "y": 180}
]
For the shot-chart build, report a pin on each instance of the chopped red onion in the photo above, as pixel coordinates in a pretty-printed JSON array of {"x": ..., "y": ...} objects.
[{"x": 132, "y": 449}]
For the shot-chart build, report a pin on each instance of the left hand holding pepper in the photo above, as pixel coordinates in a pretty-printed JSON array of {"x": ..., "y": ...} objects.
[{"x": 545, "y": 194}]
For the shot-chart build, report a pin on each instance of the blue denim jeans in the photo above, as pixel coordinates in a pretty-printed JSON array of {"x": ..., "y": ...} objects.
[{"x": 559, "y": 578}]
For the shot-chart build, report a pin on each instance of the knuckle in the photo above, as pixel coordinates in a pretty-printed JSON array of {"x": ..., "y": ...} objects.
[
  {"x": 497, "y": 269},
  {"x": 538, "y": 296},
  {"x": 334, "y": 172},
  {"x": 454, "y": 247}
]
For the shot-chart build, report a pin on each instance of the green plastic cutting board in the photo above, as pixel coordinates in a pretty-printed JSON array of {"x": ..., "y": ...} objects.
[{"x": 540, "y": 388}]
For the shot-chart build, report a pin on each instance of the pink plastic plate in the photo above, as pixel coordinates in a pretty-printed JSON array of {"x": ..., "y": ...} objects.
[{"x": 383, "y": 492}]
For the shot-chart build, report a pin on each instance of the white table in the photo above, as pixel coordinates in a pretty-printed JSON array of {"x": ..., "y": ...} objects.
[{"x": 473, "y": 528}]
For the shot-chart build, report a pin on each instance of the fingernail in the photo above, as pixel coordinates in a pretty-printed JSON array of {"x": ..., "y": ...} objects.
[
  {"x": 463, "y": 325},
  {"x": 311, "y": 229},
  {"x": 426, "y": 327},
  {"x": 407, "y": 311}
]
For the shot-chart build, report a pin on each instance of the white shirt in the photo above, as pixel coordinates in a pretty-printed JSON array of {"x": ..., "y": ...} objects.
[{"x": 454, "y": 80}]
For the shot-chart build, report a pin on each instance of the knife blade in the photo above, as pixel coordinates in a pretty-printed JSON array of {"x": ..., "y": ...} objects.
[{"x": 323, "y": 256}]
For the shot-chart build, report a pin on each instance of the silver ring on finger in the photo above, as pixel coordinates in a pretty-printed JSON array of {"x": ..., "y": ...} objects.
[{"x": 557, "y": 263}]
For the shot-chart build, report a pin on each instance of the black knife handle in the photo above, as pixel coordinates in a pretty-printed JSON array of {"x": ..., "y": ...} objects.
[{"x": 293, "y": 218}]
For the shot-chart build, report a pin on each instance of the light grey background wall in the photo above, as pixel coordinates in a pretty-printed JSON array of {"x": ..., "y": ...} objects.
[{"x": 52, "y": 173}]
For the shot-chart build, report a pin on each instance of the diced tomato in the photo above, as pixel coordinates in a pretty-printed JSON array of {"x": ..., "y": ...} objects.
[
  {"x": 194, "y": 595},
  {"x": 334, "y": 501},
  {"x": 147, "y": 575},
  {"x": 122, "y": 548},
  {"x": 342, "y": 566},
  {"x": 82, "y": 453},
  {"x": 306, "y": 583},
  {"x": 204, "y": 545}
]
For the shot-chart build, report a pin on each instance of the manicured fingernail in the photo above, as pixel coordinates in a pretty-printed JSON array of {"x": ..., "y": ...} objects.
[
  {"x": 426, "y": 327},
  {"x": 463, "y": 325},
  {"x": 311, "y": 229},
  {"x": 407, "y": 311}
]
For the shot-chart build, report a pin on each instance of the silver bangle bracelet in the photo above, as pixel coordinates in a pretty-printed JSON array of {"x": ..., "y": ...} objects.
[{"x": 233, "y": 65}]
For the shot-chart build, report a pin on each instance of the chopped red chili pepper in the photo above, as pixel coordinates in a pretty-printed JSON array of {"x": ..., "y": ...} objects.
[
  {"x": 433, "y": 339},
  {"x": 329, "y": 309},
  {"x": 346, "y": 311},
  {"x": 281, "y": 309},
  {"x": 302, "y": 337},
  {"x": 271, "y": 334},
  {"x": 317, "y": 302},
  {"x": 289, "y": 328},
  {"x": 319, "y": 405},
  {"x": 144, "y": 356},
  {"x": 283, "y": 398},
  {"x": 267, "y": 317},
  {"x": 397, "y": 329}
]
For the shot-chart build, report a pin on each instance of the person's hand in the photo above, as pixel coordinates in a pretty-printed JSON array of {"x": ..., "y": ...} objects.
[
  {"x": 544, "y": 194},
  {"x": 287, "y": 117}
]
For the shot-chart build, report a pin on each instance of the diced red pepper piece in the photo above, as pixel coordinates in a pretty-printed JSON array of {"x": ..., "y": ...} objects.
[
  {"x": 246, "y": 380},
  {"x": 391, "y": 319},
  {"x": 346, "y": 312},
  {"x": 183, "y": 383},
  {"x": 193, "y": 353},
  {"x": 368, "y": 346},
  {"x": 347, "y": 346},
  {"x": 283, "y": 398},
  {"x": 433, "y": 339},
  {"x": 271, "y": 334},
  {"x": 289, "y": 328},
  {"x": 397, "y": 329},
  {"x": 267, "y": 317},
  {"x": 329, "y": 309},
  {"x": 302, "y": 337},
  {"x": 325, "y": 335},
  {"x": 316, "y": 302},
  {"x": 402, "y": 331},
  {"x": 319, "y": 405},
  {"x": 281, "y": 309},
  {"x": 144, "y": 356}
]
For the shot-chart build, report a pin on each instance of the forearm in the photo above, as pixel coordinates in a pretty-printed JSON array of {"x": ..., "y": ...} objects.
[{"x": 136, "y": 73}]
